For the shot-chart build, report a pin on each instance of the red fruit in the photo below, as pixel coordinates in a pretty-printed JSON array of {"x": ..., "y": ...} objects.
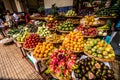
[
  {"x": 54, "y": 60},
  {"x": 73, "y": 57},
  {"x": 58, "y": 71},
  {"x": 66, "y": 72},
  {"x": 69, "y": 52},
  {"x": 52, "y": 68},
  {"x": 61, "y": 64}
]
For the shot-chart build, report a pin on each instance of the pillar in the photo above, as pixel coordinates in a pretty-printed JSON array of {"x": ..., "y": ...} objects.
[
  {"x": 7, "y": 5},
  {"x": 17, "y": 3}
]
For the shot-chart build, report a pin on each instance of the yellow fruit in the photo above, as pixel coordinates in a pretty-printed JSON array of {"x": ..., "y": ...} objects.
[
  {"x": 105, "y": 53},
  {"x": 45, "y": 55},
  {"x": 75, "y": 46},
  {"x": 107, "y": 49},
  {"x": 78, "y": 49},
  {"x": 46, "y": 51},
  {"x": 40, "y": 56}
]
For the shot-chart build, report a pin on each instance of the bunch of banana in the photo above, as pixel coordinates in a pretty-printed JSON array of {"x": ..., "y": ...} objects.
[{"x": 105, "y": 27}]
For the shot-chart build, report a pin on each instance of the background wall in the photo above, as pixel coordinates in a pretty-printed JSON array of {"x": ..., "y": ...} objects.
[
  {"x": 64, "y": 5},
  {"x": 59, "y": 3}
]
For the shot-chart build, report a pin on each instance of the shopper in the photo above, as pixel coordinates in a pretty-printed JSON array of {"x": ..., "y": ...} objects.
[
  {"x": 27, "y": 17},
  {"x": 9, "y": 19},
  {"x": 2, "y": 27},
  {"x": 16, "y": 18}
]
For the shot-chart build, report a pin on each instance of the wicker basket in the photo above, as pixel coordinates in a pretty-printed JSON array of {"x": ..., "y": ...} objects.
[
  {"x": 42, "y": 59},
  {"x": 63, "y": 31},
  {"x": 100, "y": 59},
  {"x": 29, "y": 49}
]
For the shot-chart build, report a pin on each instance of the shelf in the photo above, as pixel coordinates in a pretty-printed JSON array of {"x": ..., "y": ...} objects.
[
  {"x": 106, "y": 17},
  {"x": 39, "y": 18}
]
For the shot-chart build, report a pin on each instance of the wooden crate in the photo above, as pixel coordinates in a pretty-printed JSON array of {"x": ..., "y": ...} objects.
[{"x": 115, "y": 65}]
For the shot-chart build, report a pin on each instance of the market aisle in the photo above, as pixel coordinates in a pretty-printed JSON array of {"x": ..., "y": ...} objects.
[{"x": 13, "y": 66}]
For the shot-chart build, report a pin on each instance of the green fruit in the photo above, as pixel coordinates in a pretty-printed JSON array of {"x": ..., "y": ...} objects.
[
  {"x": 89, "y": 48},
  {"x": 63, "y": 29},
  {"x": 71, "y": 28},
  {"x": 78, "y": 71},
  {"x": 67, "y": 29},
  {"x": 90, "y": 52},
  {"x": 60, "y": 28},
  {"x": 99, "y": 56},
  {"x": 94, "y": 54},
  {"x": 101, "y": 48},
  {"x": 99, "y": 51},
  {"x": 93, "y": 50},
  {"x": 106, "y": 57}
]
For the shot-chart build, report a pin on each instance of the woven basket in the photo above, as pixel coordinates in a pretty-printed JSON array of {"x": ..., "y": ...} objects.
[{"x": 100, "y": 59}]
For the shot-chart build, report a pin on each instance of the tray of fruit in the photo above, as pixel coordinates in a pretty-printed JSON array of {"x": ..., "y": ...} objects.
[
  {"x": 90, "y": 20},
  {"x": 74, "y": 41},
  {"x": 24, "y": 33},
  {"x": 100, "y": 59},
  {"x": 91, "y": 69},
  {"x": 52, "y": 24},
  {"x": 87, "y": 31},
  {"x": 61, "y": 64},
  {"x": 70, "y": 13},
  {"x": 102, "y": 33},
  {"x": 65, "y": 27},
  {"x": 43, "y": 50},
  {"x": 99, "y": 50},
  {"x": 55, "y": 38},
  {"x": 31, "y": 42},
  {"x": 43, "y": 31}
]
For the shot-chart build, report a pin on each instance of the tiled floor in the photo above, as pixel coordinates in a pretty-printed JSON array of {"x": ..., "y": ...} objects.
[{"x": 13, "y": 66}]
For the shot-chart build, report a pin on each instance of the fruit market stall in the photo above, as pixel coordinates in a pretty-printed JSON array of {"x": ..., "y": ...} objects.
[
  {"x": 62, "y": 50},
  {"x": 62, "y": 61}
]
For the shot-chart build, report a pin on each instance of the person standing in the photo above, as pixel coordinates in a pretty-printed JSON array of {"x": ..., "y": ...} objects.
[
  {"x": 9, "y": 19},
  {"x": 27, "y": 17},
  {"x": 2, "y": 28},
  {"x": 16, "y": 18}
]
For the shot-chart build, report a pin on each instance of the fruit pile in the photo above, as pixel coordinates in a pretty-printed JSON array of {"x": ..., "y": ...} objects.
[
  {"x": 104, "y": 27},
  {"x": 43, "y": 31},
  {"x": 31, "y": 41},
  {"x": 43, "y": 50},
  {"x": 102, "y": 33},
  {"x": 74, "y": 21},
  {"x": 90, "y": 20},
  {"x": 90, "y": 69},
  {"x": 52, "y": 24},
  {"x": 62, "y": 63},
  {"x": 99, "y": 49},
  {"x": 55, "y": 38},
  {"x": 87, "y": 31},
  {"x": 74, "y": 41},
  {"x": 40, "y": 23},
  {"x": 22, "y": 35},
  {"x": 70, "y": 13},
  {"x": 66, "y": 26},
  {"x": 13, "y": 32}
]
